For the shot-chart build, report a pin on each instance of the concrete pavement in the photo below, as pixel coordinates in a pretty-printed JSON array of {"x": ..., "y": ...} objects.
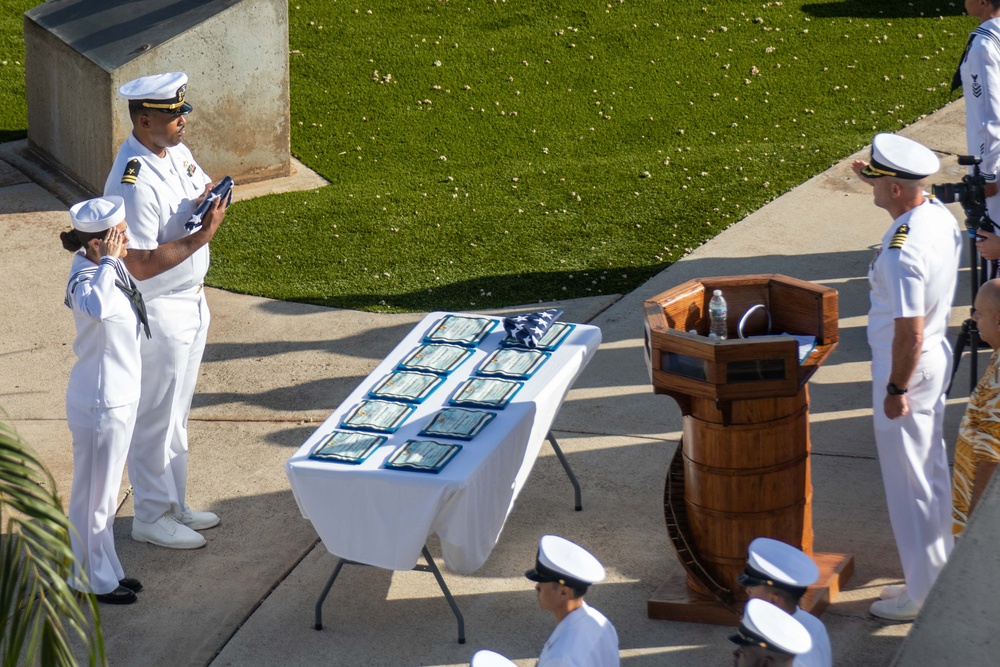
[{"x": 273, "y": 370}]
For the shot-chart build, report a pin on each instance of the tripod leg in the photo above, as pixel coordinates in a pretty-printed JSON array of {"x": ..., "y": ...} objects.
[{"x": 956, "y": 357}]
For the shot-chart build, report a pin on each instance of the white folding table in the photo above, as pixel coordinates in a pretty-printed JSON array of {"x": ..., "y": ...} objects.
[{"x": 367, "y": 514}]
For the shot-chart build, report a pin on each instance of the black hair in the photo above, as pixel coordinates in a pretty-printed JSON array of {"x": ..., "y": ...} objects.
[
  {"x": 578, "y": 591},
  {"x": 791, "y": 596},
  {"x": 74, "y": 239},
  {"x": 136, "y": 110}
]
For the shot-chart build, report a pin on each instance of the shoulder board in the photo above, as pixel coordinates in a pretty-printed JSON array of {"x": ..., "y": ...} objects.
[
  {"x": 131, "y": 171},
  {"x": 899, "y": 238}
]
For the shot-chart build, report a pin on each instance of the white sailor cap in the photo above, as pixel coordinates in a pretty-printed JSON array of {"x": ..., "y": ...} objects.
[
  {"x": 96, "y": 215},
  {"x": 893, "y": 155},
  {"x": 161, "y": 92},
  {"x": 766, "y": 626},
  {"x": 562, "y": 561},
  {"x": 486, "y": 658},
  {"x": 774, "y": 563}
]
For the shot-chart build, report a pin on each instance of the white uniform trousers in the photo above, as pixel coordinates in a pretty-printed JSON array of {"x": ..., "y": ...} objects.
[
  {"x": 914, "y": 461},
  {"x": 157, "y": 462},
  {"x": 100, "y": 445}
]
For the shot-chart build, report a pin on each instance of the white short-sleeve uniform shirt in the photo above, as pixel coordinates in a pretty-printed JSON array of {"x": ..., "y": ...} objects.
[
  {"x": 820, "y": 655},
  {"x": 584, "y": 638},
  {"x": 157, "y": 206},
  {"x": 915, "y": 279}
]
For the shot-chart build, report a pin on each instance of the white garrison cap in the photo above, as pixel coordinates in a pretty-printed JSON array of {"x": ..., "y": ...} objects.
[
  {"x": 766, "y": 626},
  {"x": 778, "y": 564},
  {"x": 486, "y": 658},
  {"x": 893, "y": 155},
  {"x": 567, "y": 563},
  {"x": 96, "y": 215},
  {"x": 163, "y": 92}
]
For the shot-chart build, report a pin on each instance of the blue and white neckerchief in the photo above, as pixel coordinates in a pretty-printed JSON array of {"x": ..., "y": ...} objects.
[{"x": 123, "y": 282}]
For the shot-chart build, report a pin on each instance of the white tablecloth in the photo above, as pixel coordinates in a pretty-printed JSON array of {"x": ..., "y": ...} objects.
[{"x": 381, "y": 517}]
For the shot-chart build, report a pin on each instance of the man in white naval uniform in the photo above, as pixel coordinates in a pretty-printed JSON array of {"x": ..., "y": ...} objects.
[
  {"x": 768, "y": 637},
  {"x": 912, "y": 281},
  {"x": 780, "y": 574},
  {"x": 583, "y": 636},
  {"x": 979, "y": 74},
  {"x": 161, "y": 184}
]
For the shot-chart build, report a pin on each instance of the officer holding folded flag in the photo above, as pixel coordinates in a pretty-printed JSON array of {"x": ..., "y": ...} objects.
[{"x": 162, "y": 185}]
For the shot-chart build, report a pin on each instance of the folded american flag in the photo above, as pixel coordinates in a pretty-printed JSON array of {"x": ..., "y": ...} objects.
[
  {"x": 224, "y": 189},
  {"x": 529, "y": 329}
]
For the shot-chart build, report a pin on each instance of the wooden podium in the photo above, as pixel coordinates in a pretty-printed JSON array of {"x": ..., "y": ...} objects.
[{"x": 742, "y": 470}]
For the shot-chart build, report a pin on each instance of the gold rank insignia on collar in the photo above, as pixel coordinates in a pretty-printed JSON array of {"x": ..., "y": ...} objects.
[
  {"x": 131, "y": 171},
  {"x": 899, "y": 238}
]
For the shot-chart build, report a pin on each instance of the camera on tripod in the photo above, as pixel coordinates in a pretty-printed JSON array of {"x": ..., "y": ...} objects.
[{"x": 971, "y": 194}]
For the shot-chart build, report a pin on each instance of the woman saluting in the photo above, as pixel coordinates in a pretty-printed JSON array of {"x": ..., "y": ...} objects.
[{"x": 103, "y": 389}]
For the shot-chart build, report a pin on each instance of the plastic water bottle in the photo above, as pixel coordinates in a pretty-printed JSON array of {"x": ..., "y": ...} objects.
[{"x": 717, "y": 312}]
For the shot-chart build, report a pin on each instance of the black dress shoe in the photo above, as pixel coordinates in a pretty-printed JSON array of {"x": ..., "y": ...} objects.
[
  {"x": 120, "y": 595},
  {"x": 133, "y": 585}
]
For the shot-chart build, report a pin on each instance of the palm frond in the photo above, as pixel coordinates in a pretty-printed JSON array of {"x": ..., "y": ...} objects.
[{"x": 41, "y": 616}]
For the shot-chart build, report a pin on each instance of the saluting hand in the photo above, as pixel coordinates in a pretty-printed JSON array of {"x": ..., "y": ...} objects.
[
  {"x": 112, "y": 245},
  {"x": 857, "y": 166}
]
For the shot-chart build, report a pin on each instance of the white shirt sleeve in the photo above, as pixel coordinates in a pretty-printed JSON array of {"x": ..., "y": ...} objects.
[
  {"x": 984, "y": 63},
  {"x": 908, "y": 281},
  {"x": 96, "y": 298},
  {"x": 142, "y": 215}
]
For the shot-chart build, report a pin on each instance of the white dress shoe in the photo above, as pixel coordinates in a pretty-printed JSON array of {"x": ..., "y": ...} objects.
[
  {"x": 196, "y": 520},
  {"x": 166, "y": 532},
  {"x": 892, "y": 592},
  {"x": 899, "y": 608}
]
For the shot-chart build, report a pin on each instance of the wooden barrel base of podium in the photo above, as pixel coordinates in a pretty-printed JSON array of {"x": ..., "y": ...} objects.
[{"x": 675, "y": 601}]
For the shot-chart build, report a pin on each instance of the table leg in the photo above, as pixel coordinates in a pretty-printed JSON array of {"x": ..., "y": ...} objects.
[
  {"x": 326, "y": 591},
  {"x": 433, "y": 569},
  {"x": 569, "y": 471}
]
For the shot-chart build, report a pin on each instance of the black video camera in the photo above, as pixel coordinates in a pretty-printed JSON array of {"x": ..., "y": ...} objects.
[{"x": 971, "y": 193}]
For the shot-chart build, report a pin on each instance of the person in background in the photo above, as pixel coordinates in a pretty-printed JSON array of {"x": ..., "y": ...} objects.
[
  {"x": 979, "y": 75},
  {"x": 768, "y": 637},
  {"x": 583, "y": 636},
  {"x": 977, "y": 449},
  {"x": 780, "y": 574}
]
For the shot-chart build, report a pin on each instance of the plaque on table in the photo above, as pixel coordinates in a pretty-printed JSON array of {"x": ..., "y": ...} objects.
[
  {"x": 422, "y": 456},
  {"x": 406, "y": 386},
  {"x": 377, "y": 415},
  {"x": 436, "y": 358},
  {"x": 511, "y": 362},
  {"x": 347, "y": 447},
  {"x": 549, "y": 342},
  {"x": 465, "y": 330},
  {"x": 459, "y": 423},
  {"x": 493, "y": 393}
]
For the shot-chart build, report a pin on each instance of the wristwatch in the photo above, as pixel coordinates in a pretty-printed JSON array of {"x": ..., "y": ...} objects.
[{"x": 893, "y": 390}]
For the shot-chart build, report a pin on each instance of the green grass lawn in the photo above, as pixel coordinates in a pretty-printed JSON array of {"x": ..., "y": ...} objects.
[{"x": 483, "y": 154}]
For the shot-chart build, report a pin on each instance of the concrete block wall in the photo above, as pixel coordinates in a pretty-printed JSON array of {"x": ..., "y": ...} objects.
[{"x": 235, "y": 52}]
